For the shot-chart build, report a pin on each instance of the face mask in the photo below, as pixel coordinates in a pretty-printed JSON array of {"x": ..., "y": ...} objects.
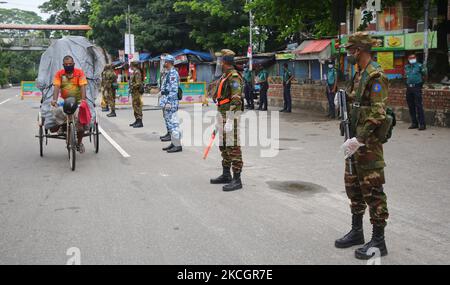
[
  {"x": 351, "y": 59},
  {"x": 330, "y": 66},
  {"x": 69, "y": 69},
  {"x": 412, "y": 61}
]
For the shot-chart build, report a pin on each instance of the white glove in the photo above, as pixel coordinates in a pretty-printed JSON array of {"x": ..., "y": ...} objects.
[
  {"x": 229, "y": 126},
  {"x": 350, "y": 147}
]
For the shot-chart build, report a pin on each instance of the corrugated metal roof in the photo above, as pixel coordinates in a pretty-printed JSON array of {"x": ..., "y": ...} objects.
[{"x": 315, "y": 46}]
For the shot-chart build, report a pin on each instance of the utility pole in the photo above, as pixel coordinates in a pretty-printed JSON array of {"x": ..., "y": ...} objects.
[
  {"x": 129, "y": 31},
  {"x": 250, "y": 49},
  {"x": 425, "y": 34}
]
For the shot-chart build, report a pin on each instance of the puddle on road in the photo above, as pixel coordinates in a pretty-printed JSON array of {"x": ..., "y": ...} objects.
[{"x": 296, "y": 187}]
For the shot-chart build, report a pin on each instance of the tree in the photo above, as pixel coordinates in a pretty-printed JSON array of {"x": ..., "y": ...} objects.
[
  {"x": 157, "y": 27},
  {"x": 217, "y": 24}
]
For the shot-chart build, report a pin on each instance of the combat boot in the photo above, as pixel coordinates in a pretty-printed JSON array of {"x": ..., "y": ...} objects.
[
  {"x": 112, "y": 114},
  {"x": 377, "y": 242},
  {"x": 355, "y": 236},
  {"x": 175, "y": 149},
  {"x": 138, "y": 124},
  {"x": 166, "y": 138},
  {"x": 132, "y": 124},
  {"x": 225, "y": 178},
  {"x": 235, "y": 184},
  {"x": 166, "y": 135},
  {"x": 169, "y": 147}
]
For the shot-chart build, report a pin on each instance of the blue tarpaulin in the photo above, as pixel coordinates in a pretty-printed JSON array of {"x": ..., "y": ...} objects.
[
  {"x": 144, "y": 57},
  {"x": 202, "y": 55}
]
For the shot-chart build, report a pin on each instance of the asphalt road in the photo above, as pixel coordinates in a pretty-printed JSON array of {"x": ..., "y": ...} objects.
[{"x": 157, "y": 208}]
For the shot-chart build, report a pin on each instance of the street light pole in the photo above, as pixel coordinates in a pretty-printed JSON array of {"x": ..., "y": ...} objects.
[
  {"x": 425, "y": 41},
  {"x": 250, "y": 58}
]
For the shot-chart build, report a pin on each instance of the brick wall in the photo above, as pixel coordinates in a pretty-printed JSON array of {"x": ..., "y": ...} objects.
[{"x": 312, "y": 97}]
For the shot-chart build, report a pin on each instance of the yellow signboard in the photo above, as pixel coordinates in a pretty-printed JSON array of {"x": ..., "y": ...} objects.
[{"x": 386, "y": 59}]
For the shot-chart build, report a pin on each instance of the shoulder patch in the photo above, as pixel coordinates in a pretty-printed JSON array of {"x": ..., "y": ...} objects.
[{"x": 377, "y": 88}]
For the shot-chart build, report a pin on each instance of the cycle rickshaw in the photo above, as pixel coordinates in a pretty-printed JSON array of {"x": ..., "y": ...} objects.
[{"x": 91, "y": 60}]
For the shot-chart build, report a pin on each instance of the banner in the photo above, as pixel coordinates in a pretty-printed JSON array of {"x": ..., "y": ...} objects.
[
  {"x": 193, "y": 92},
  {"x": 394, "y": 42},
  {"x": 122, "y": 95},
  {"x": 415, "y": 41},
  {"x": 28, "y": 90},
  {"x": 386, "y": 60}
]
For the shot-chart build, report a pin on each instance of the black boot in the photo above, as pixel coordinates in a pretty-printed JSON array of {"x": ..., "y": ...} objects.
[
  {"x": 138, "y": 124},
  {"x": 166, "y": 135},
  {"x": 355, "y": 236},
  {"x": 166, "y": 138},
  {"x": 175, "y": 149},
  {"x": 132, "y": 124},
  {"x": 112, "y": 114},
  {"x": 377, "y": 242},
  {"x": 413, "y": 126},
  {"x": 225, "y": 178},
  {"x": 235, "y": 184},
  {"x": 169, "y": 147}
]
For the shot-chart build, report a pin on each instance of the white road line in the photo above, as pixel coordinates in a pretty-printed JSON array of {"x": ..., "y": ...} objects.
[
  {"x": 113, "y": 143},
  {"x": 1, "y": 103}
]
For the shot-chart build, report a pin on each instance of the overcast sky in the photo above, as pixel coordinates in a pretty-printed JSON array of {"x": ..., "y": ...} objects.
[{"x": 29, "y": 5}]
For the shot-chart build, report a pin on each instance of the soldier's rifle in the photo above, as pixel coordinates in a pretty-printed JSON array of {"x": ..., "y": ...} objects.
[{"x": 345, "y": 122}]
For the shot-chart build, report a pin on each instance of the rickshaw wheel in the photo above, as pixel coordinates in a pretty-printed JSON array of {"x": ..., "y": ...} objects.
[
  {"x": 41, "y": 141},
  {"x": 71, "y": 145},
  {"x": 96, "y": 137}
]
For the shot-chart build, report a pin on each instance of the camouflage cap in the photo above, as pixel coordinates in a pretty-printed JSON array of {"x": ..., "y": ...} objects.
[
  {"x": 227, "y": 55},
  {"x": 361, "y": 39}
]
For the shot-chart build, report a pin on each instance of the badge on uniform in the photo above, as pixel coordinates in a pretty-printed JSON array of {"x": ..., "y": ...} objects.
[{"x": 377, "y": 88}]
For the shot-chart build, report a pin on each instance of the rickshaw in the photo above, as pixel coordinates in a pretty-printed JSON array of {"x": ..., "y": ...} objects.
[{"x": 91, "y": 60}]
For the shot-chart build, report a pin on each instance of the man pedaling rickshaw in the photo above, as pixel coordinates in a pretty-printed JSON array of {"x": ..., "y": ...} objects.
[{"x": 72, "y": 83}]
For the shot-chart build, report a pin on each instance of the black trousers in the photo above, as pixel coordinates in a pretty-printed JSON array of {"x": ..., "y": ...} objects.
[
  {"x": 287, "y": 97},
  {"x": 263, "y": 96},
  {"x": 330, "y": 97},
  {"x": 249, "y": 95},
  {"x": 415, "y": 105}
]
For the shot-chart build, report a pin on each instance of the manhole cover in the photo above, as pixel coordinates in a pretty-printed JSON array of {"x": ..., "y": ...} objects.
[{"x": 296, "y": 187}]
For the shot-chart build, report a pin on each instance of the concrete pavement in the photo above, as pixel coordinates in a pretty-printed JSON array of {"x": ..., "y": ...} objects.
[{"x": 157, "y": 208}]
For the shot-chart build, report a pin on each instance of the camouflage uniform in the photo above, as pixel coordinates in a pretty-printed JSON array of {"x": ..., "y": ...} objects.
[
  {"x": 136, "y": 95},
  {"x": 109, "y": 78},
  {"x": 169, "y": 89},
  {"x": 104, "y": 102},
  {"x": 367, "y": 99},
  {"x": 231, "y": 96}
]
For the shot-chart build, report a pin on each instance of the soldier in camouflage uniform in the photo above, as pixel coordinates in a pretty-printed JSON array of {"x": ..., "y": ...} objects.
[
  {"x": 109, "y": 80},
  {"x": 104, "y": 102},
  {"x": 228, "y": 96},
  {"x": 136, "y": 86},
  {"x": 367, "y": 97}
]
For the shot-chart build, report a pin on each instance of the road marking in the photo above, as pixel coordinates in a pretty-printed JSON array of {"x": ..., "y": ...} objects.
[
  {"x": 113, "y": 143},
  {"x": 1, "y": 103}
]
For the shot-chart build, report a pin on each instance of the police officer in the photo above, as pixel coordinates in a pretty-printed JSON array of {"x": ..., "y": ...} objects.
[
  {"x": 331, "y": 89},
  {"x": 136, "y": 87},
  {"x": 415, "y": 73},
  {"x": 169, "y": 103},
  {"x": 263, "y": 81},
  {"x": 364, "y": 181},
  {"x": 287, "y": 81},
  {"x": 248, "y": 88},
  {"x": 228, "y": 96},
  {"x": 110, "y": 86}
]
